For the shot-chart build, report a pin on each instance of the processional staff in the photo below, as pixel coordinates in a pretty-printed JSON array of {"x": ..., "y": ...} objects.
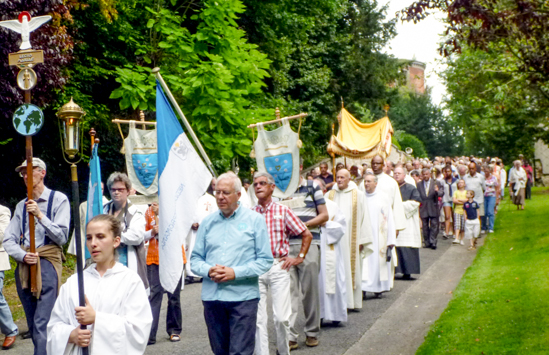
[{"x": 28, "y": 119}]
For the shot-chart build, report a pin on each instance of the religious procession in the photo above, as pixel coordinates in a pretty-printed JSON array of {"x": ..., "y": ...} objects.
[{"x": 202, "y": 150}]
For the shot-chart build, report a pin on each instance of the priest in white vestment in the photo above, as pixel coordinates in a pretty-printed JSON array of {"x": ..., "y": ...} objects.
[
  {"x": 357, "y": 241},
  {"x": 389, "y": 187},
  {"x": 378, "y": 271},
  {"x": 332, "y": 290},
  {"x": 206, "y": 205}
]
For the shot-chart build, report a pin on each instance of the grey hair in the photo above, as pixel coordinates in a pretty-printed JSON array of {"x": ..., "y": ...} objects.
[
  {"x": 425, "y": 169},
  {"x": 119, "y": 177},
  {"x": 320, "y": 183},
  {"x": 403, "y": 169},
  {"x": 371, "y": 174},
  {"x": 269, "y": 177},
  {"x": 236, "y": 180}
]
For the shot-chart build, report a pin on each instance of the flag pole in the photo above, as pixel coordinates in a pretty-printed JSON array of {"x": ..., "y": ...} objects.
[{"x": 156, "y": 72}]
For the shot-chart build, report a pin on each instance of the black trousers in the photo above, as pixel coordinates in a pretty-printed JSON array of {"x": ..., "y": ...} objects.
[
  {"x": 38, "y": 311},
  {"x": 528, "y": 190},
  {"x": 231, "y": 326},
  {"x": 173, "y": 316},
  {"x": 430, "y": 231}
]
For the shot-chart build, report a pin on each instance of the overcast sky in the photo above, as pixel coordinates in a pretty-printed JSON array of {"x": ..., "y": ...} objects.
[{"x": 419, "y": 41}]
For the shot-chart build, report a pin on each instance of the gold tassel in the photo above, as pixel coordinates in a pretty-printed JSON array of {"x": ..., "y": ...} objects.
[{"x": 252, "y": 153}]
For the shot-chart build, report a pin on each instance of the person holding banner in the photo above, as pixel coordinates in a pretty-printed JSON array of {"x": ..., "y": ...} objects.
[
  {"x": 51, "y": 210},
  {"x": 231, "y": 251},
  {"x": 117, "y": 313},
  {"x": 131, "y": 252},
  {"x": 305, "y": 275},
  {"x": 173, "y": 314}
]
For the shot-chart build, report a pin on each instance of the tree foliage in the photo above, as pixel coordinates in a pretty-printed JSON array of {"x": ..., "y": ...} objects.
[
  {"x": 499, "y": 113},
  {"x": 415, "y": 114},
  {"x": 518, "y": 27},
  {"x": 214, "y": 72}
]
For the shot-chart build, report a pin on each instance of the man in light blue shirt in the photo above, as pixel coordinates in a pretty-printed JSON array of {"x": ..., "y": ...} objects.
[{"x": 231, "y": 251}]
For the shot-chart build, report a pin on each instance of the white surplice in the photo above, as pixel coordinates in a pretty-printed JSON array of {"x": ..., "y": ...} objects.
[
  {"x": 390, "y": 188},
  {"x": 123, "y": 315},
  {"x": 378, "y": 274},
  {"x": 205, "y": 206},
  {"x": 411, "y": 235},
  {"x": 344, "y": 200},
  {"x": 333, "y": 300}
]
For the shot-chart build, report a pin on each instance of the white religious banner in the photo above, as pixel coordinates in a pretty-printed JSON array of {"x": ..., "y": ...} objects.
[
  {"x": 277, "y": 152},
  {"x": 142, "y": 159}
]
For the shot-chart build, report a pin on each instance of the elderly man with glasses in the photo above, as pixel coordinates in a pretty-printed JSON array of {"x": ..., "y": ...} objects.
[
  {"x": 281, "y": 223},
  {"x": 51, "y": 210},
  {"x": 231, "y": 251}
]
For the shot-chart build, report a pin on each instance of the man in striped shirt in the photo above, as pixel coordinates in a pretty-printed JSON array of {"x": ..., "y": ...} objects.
[
  {"x": 305, "y": 275},
  {"x": 281, "y": 222}
]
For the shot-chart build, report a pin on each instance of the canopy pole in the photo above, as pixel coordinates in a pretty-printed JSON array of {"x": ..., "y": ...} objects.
[
  {"x": 280, "y": 119},
  {"x": 156, "y": 72}
]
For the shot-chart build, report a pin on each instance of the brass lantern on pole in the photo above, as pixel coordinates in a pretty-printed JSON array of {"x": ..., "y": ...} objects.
[{"x": 70, "y": 116}]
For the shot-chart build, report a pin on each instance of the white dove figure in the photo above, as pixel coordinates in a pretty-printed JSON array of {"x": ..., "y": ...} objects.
[{"x": 25, "y": 25}]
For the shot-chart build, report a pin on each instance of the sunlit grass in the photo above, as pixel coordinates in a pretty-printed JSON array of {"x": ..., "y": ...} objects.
[{"x": 501, "y": 305}]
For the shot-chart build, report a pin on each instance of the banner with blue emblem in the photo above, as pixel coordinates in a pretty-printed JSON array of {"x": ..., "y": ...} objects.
[
  {"x": 277, "y": 153},
  {"x": 142, "y": 159}
]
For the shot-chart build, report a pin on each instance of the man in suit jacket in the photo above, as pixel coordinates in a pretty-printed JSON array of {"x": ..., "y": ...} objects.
[{"x": 429, "y": 210}]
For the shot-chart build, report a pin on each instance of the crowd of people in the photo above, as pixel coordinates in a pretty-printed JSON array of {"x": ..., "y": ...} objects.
[{"x": 336, "y": 239}]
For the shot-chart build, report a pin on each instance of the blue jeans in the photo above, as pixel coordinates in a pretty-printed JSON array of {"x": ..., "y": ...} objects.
[
  {"x": 488, "y": 218},
  {"x": 7, "y": 326}
]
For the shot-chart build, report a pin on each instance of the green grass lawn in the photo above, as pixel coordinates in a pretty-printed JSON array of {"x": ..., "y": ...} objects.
[{"x": 501, "y": 305}]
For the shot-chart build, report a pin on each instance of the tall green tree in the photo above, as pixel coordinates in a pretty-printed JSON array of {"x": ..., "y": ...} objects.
[
  {"x": 416, "y": 114},
  {"x": 499, "y": 112},
  {"x": 213, "y": 71}
]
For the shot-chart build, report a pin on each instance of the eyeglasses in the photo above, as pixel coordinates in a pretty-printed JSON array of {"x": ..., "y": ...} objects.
[
  {"x": 118, "y": 190},
  {"x": 223, "y": 193},
  {"x": 261, "y": 183},
  {"x": 23, "y": 173}
]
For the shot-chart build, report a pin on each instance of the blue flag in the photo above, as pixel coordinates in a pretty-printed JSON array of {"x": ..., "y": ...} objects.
[{"x": 95, "y": 193}]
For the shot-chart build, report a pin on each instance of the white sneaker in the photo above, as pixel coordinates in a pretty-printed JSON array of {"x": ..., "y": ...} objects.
[
  {"x": 462, "y": 243},
  {"x": 490, "y": 231}
]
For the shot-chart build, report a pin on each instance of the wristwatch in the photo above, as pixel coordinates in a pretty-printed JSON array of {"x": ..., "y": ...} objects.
[{"x": 301, "y": 255}]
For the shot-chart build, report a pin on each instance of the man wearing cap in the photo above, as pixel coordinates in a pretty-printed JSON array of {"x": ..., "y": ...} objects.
[{"x": 51, "y": 210}]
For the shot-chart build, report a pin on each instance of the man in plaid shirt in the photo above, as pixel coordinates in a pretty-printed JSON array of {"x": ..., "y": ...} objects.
[{"x": 281, "y": 222}]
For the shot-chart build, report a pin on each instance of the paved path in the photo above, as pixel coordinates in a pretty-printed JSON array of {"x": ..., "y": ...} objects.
[{"x": 406, "y": 313}]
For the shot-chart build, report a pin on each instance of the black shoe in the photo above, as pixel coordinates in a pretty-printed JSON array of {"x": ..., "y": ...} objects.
[
  {"x": 151, "y": 342},
  {"x": 434, "y": 247},
  {"x": 336, "y": 322},
  {"x": 26, "y": 335},
  {"x": 377, "y": 294},
  {"x": 406, "y": 277}
]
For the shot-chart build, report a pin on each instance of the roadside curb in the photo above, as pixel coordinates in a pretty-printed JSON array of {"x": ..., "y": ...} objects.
[{"x": 402, "y": 328}]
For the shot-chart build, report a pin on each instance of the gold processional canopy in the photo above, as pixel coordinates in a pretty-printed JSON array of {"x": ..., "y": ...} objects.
[{"x": 361, "y": 140}]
